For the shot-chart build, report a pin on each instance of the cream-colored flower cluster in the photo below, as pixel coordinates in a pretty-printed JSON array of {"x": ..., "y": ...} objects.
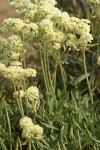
[
  {"x": 32, "y": 93},
  {"x": 12, "y": 67},
  {"x": 13, "y": 48},
  {"x": 32, "y": 96},
  {"x": 26, "y": 30},
  {"x": 54, "y": 26},
  {"x": 13, "y": 24},
  {"x": 18, "y": 74},
  {"x": 29, "y": 130},
  {"x": 12, "y": 58}
]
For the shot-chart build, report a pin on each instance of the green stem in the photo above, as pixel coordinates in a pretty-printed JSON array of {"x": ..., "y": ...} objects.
[
  {"x": 21, "y": 106},
  {"x": 49, "y": 76},
  {"x": 25, "y": 82},
  {"x": 80, "y": 147},
  {"x": 86, "y": 73},
  {"x": 30, "y": 148},
  {"x": 9, "y": 127},
  {"x": 59, "y": 148},
  {"x": 63, "y": 75},
  {"x": 55, "y": 73},
  {"x": 20, "y": 145},
  {"x": 42, "y": 64},
  {"x": 46, "y": 72},
  {"x": 19, "y": 102},
  {"x": 33, "y": 146},
  {"x": 17, "y": 144}
]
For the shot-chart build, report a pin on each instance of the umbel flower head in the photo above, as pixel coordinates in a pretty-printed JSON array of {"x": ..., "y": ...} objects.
[
  {"x": 38, "y": 132},
  {"x": 32, "y": 93},
  {"x": 13, "y": 24},
  {"x": 52, "y": 25},
  {"x": 29, "y": 130},
  {"x": 17, "y": 73}
]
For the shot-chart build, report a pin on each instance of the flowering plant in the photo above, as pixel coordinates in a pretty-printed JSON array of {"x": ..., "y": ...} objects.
[{"x": 56, "y": 34}]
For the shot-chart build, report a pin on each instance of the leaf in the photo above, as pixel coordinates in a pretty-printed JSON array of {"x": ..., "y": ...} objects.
[
  {"x": 43, "y": 146},
  {"x": 44, "y": 142},
  {"x": 2, "y": 144},
  {"x": 81, "y": 78},
  {"x": 49, "y": 126}
]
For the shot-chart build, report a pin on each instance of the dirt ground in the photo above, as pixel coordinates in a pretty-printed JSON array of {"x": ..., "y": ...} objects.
[{"x": 6, "y": 11}]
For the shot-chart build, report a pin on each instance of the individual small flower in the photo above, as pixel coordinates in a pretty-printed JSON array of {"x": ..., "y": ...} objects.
[
  {"x": 20, "y": 93},
  {"x": 32, "y": 93}
]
